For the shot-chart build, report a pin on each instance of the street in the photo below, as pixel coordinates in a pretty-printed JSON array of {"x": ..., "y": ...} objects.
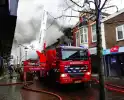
[
  {"x": 73, "y": 92},
  {"x": 66, "y": 42}
]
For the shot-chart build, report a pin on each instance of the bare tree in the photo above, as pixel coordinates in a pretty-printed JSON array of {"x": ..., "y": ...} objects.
[{"x": 98, "y": 9}]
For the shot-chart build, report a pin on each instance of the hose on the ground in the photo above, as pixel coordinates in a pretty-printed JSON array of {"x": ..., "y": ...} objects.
[
  {"x": 46, "y": 92},
  {"x": 26, "y": 87},
  {"x": 111, "y": 87}
]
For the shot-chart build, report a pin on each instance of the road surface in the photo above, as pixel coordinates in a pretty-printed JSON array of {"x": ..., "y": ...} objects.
[{"x": 73, "y": 92}]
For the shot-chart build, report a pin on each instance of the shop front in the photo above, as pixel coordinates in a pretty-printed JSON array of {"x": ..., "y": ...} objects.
[
  {"x": 113, "y": 60},
  {"x": 94, "y": 59}
]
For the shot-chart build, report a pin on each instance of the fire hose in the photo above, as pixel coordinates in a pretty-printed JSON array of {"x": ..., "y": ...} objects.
[
  {"x": 111, "y": 87},
  {"x": 26, "y": 87},
  {"x": 108, "y": 86}
]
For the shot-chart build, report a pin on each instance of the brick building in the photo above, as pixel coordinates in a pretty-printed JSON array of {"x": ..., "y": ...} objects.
[
  {"x": 84, "y": 33},
  {"x": 113, "y": 30}
]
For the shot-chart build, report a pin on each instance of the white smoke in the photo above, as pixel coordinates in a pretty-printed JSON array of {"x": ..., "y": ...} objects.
[{"x": 29, "y": 23}]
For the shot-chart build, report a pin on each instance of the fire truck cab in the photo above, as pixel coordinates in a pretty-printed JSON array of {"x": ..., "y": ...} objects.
[{"x": 68, "y": 64}]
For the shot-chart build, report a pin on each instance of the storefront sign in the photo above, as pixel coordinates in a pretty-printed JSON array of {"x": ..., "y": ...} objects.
[
  {"x": 121, "y": 49},
  {"x": 107, "y": 51},
  {"x": 114, "y": 49}
]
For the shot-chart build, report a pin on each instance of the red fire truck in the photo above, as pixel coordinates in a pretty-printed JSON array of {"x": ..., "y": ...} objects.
[
  {"x": 66, "y": 64},
  {"x": 30, "y": 66}
]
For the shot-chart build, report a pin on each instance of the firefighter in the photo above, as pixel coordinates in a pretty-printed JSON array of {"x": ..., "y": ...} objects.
[{"x": 10, "y": 71}]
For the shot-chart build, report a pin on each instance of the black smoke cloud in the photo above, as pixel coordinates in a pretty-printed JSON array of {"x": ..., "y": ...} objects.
[{"x": 53, "y": 31}]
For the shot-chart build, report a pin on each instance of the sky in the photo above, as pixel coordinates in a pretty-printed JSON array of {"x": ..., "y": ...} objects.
[{"x": 29, "y": 18}]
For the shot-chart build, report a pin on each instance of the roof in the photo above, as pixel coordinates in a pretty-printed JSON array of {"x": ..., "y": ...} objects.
[
  {"x": 103, "y": 13},
  {"x": 113, "y": 15}
]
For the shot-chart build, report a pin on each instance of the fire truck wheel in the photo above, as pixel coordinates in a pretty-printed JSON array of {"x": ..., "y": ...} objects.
[
  {"x": 38, "y": 74},
  {"x": 21, "y": 76},
  {"x": 52, "y": 76}
]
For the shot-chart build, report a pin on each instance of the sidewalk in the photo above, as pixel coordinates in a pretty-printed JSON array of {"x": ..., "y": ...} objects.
[
  {"x": 115, "y": 81},
  {"x": 3, "y": 76},
  {"x": 112, "y": 80},
  {"x": 7, "y": 75}
]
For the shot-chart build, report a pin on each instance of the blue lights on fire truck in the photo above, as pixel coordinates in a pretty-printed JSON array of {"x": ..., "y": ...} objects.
[
  {"x": 83, "y": 47},
  {"x": 62, "y": 45}
]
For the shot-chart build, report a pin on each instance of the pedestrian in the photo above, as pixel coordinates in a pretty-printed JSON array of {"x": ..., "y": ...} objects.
[
  {"x": 35, "y": 75},
  {"x": 10, "y": 70}
]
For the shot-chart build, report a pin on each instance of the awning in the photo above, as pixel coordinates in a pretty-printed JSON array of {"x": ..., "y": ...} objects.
[{"x": 115, "y": 50}]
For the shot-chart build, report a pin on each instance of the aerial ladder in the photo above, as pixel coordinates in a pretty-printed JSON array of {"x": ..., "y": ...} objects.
[{"x": 28, "y": 66}]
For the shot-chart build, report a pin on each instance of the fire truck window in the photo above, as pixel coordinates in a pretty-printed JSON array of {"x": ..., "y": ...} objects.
[
  {"x": 83, "y": 53},
  {"x": 74, "y": 55}
]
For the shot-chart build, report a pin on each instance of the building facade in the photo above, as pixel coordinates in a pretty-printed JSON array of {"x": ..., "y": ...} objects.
[
  {"x": 113, "y": 27},
  {"x": 84, "y": 33}
]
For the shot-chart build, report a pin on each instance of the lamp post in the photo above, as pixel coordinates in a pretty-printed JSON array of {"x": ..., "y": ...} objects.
[
  {"x": 26, "y": 53},
  {"x": 20, "y": 56},
  {"x": 17, "y": 61}
]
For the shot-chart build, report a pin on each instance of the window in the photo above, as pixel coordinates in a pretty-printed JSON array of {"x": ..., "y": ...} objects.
[
  {"x": 94, "y": 38},
  {"x": 68, "y": 54},
  {"x": 120, "y": 32},
  {"x": 77, "y": 38},
  {"x": 83, "y": 35}
]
